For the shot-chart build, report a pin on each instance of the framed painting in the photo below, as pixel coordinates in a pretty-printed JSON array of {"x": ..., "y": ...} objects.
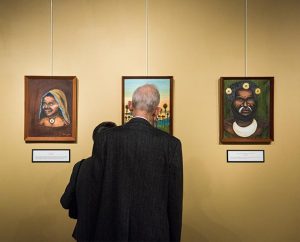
[
  {"x": 164, "y": 84},
  {"x": 247, "y": 110},
  {"x": 50, "y": 109}
]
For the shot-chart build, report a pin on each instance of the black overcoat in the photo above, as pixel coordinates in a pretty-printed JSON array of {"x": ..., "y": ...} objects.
[{"x": 132, "y": 189}]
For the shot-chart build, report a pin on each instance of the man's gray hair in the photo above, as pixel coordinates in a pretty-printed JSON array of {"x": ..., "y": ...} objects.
[{"x": 146, "y": 98}]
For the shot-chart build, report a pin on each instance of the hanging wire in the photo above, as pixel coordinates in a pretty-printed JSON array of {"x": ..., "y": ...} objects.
[
  {"x": 246, "y": 37},
  {"x": 51, "y": 34},
  {"x": 147, "y": 37}
]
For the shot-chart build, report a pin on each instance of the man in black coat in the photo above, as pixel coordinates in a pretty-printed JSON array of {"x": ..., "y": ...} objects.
[{"x": 136, "y": 180}]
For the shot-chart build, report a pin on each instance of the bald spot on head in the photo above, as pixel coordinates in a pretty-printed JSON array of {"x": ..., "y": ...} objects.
[{"x": 146, "y": 98}]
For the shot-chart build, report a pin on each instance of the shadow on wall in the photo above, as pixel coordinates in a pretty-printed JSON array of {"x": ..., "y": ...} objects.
[
  {"x": 47, "y": 220},
  {"x": 34, "y": 228},
  {"x": 192, "y": 235},
  {"x": 207, "y": 231},
  {"x": 198, "y": 211}
]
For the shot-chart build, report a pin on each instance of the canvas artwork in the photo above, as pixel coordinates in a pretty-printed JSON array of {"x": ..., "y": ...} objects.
[
  {"x": 50, "y": 108},
  {"x": 164, "y": 120},
  {"x": 246, "y": 112}
]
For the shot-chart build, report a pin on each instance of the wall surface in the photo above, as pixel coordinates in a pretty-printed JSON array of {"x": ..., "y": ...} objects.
[{"x": 197, "y": 42}]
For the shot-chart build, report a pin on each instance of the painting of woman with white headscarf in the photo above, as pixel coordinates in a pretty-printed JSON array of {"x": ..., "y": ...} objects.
[
  {"x": 50, "y": 109},
  {"x": 54, "y": 109}
]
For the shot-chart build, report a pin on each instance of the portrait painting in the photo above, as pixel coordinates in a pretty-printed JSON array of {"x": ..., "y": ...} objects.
[
  {"x": 246, "y": 112},
  {"x": 164, "y": 84},
  {"x": 50, "y": 109}
]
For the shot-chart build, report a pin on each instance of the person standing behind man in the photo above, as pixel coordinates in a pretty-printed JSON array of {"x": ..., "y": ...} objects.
[
  {"x": 140, "y": 172},
  {"x": 79, "y": 195}
]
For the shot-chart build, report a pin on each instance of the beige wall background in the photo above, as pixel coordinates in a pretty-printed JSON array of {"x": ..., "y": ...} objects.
[{"x": 197, "y": 42}]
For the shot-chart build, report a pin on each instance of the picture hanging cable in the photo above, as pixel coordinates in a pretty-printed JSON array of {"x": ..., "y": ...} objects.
[
  {"x": 147, "y": 37},
  {"x": 246, "y": 37},
  {"x": 51, "y": 35}
]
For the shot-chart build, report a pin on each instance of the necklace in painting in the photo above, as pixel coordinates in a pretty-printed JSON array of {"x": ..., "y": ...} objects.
[
  {"x": 245, "y": 131},
  {"x": 52, "y": 119}
]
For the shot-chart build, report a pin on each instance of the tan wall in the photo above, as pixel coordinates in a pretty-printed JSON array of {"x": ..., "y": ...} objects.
[{"x": 196, "y": 42}]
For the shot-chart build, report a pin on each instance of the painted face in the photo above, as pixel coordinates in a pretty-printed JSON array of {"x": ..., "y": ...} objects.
[
  {"x": 50, "y": 106},
  {"x": 244, "y": 102}
]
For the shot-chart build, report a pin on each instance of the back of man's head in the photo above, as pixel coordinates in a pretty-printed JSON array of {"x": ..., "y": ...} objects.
[{"x": 146, "y": 98}]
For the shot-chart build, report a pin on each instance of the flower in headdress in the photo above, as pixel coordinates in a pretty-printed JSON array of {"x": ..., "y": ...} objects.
[
  {"x": 246, "y": 85},
  {"x": 257, "y": 91},
  {"x": 228, "y": 91}
]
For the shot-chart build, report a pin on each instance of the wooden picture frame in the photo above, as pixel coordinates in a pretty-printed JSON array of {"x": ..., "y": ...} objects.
[
  {"x": 246, "y": 110},
  {"x": 164, "y": 120},
  {"x": 50, "y": 109}
]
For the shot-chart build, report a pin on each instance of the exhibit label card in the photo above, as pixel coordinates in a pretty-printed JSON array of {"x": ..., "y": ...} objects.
[
  {"x": 50, "y": 155},
  {"x": 245, "y": 156}
]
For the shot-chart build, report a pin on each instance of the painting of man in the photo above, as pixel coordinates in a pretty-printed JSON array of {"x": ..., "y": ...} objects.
[{"x": 247, "y": 110}]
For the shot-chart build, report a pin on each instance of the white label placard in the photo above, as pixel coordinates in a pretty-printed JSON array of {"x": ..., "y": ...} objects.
[
  {"x": 51, "y": 155},
  {"x": 245, "y": 156}
]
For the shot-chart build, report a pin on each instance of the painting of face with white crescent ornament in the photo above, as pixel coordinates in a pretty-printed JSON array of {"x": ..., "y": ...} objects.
[{"x": 53, "y": 110}]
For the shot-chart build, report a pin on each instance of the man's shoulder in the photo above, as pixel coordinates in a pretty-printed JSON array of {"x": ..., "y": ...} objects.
[
  {"x": 125, "y": 129},
  {"x": 77, "y": 165},
  {"x": 168, "y": 138}
]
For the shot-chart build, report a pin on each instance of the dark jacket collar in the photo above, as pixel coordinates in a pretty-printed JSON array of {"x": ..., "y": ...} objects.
[{"x": 139, "y": 121}]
